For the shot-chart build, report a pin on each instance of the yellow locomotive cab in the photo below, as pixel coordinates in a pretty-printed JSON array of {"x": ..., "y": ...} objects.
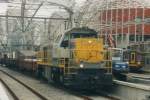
[
  {"x": 89, "y": 50},
  {"x": 41, "y": 58}
]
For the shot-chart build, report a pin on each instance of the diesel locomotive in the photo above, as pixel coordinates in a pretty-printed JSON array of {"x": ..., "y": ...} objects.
[
  {"x": 135, "y": 57},
  {"x": 77, "y": 58}
]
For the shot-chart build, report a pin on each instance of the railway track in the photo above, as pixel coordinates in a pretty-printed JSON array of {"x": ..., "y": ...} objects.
[
  {"x": 9, "y": 90},
  {"x": 100, "y": 96},
  {"x": 32, "y": 90},
  {"x": 108, "y": 95},
  {"x": 13, "y": 93},
  {"x": 104, "y": 96},
  {"x": 87, "y": 95},
  {"x": 15, "y": 97},
  {"x": 78, "y": 94}
]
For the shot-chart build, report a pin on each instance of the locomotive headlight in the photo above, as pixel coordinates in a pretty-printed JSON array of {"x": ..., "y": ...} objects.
[
  {"x": 90, "y": 41},
  {"x": 117, "y": 66},
  {"x": 81, "y": 65},
  {"x": 123, "y": 66},
  {"x": 139, "y": 62}
]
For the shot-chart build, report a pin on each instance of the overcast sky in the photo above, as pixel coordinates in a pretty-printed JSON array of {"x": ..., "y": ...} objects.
[
  {"x": 80, "y": 1},
  {"x": 3, "y": 6}
]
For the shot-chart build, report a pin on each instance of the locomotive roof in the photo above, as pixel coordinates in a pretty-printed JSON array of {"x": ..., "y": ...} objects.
[
  {"x": 84, "y": 30},
  {"x": 27, "y": 52}
]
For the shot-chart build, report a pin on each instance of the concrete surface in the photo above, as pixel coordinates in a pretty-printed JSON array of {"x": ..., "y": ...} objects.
[
  {"x": 3, "y": 93},
  {"x": 131, "y": 91}
]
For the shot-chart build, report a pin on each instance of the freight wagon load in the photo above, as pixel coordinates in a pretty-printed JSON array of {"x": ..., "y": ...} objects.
[
  {"x": 8, "y": 59},
  {"x": 26, "y": 60}
]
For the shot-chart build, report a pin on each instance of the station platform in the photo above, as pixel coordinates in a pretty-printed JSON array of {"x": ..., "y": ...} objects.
[
  {"x": 147, "y": 69},
  {"x": 131, "y": 91},
  {"x": 3, "y": 93},
  {"x": 142, "y": 76}
]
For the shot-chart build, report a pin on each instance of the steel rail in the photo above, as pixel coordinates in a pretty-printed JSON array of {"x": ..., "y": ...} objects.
[
  {"x": 9, "y": 90},
  {"x": 26, "y": 86}
]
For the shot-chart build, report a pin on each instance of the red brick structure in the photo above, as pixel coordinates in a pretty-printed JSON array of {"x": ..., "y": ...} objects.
[{"x": 127, "y": 20}]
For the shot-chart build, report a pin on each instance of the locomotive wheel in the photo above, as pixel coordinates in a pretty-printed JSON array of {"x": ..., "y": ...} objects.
[
  {"x": 52, "y": 76},
  {"x": 36, "y": 73},
  {"x": 61, "y": 79}
]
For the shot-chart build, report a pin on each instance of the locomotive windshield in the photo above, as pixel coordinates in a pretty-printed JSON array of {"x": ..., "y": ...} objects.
[
  {"x": 117, "y": 55},
  {"x": 78, "y": 33},
  {"x": 83, "y": 35}
]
